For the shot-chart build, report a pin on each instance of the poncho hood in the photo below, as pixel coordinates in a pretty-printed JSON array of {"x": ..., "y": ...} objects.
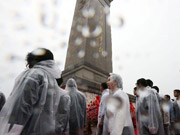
[{"x": 50, "y": 67}]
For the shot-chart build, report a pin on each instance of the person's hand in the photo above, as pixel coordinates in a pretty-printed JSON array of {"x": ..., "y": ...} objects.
[
  {"x": 153, "y": 130},
  {"x": 64, "y": 133}
]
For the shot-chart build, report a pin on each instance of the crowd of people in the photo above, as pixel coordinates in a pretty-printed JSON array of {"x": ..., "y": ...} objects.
[
  {"x": 155, "y": 115},
  {"x": 38, "y": 105}
]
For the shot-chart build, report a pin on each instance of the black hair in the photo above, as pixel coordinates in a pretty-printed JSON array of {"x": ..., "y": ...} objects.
[
  {"x": 32, "y": 58},
  {"x": 177, "y": 90},
  {"x": 156, "y": 88},
  {"x": 104, "y": 85},
  {"x": 59, "y": 81},
  {"x": 168, "y": 96},
  {"x": 135, "y": 88},
  {"x": 142, "y": 81},
  {"x": 149, "y": 82}
]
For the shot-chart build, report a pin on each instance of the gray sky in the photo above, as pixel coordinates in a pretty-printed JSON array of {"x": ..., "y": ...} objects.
[{"x": 145, "y": 45}]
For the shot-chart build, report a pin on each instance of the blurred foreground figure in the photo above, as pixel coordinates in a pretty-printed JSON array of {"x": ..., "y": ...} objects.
[
  {"x": 117, "y": 118},
  {"x": 77, "y": 109},
  {"x": 31, "y": 107},
  {"x": 2, "y": 100},
  {"x": 176, "y": 109},
  {"x": 105, "y": 93},
  {"x": 148, "y": 115}
]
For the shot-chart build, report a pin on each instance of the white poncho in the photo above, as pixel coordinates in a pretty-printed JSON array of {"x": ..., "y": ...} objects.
[{"x": 31, "y": 109}]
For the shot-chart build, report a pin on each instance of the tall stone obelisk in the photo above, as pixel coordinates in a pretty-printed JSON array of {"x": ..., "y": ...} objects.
[{"x": 89, "y": 54}]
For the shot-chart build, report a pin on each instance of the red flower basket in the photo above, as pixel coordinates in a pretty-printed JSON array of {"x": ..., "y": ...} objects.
[{"x": 92, "y": 114}]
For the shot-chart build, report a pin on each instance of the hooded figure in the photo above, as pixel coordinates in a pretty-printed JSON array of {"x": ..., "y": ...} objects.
[
  {"x": 31, "y": 108},
  {"x": 63, "y": 111},
  {"x": 117, "y": 117},
  {"x": 77, "y": 108}
]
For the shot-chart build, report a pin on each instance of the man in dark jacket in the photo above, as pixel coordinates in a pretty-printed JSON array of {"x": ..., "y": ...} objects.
[{"x": 176, "y": 109}]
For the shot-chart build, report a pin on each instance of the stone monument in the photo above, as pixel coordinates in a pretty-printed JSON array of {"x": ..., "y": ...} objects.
[{"x": 89, "y": 55}]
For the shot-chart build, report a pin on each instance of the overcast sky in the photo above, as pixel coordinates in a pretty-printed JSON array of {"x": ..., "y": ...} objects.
[{"x": 146, "y": 44}]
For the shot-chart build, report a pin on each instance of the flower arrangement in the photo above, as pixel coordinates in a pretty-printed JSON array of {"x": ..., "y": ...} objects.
[
  {"x": 92, "y": 114},
  {"x": 133, "y": 115}
]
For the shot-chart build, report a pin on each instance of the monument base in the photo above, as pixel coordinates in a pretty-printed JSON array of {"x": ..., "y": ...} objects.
[{"x": 88, "y": 78}]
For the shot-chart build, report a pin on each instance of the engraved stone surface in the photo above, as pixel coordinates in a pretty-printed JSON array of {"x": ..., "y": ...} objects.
[
  {"x": 89, "y": 54},
  {"x": 90, "y": 34}
]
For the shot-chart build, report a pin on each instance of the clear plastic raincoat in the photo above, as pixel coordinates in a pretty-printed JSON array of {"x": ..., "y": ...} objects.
[
  {"x": 118, "y": 119},
  {"x": 148, "y": 114},
  {"x": 176, "y": 118},
  {"x": 102, "y": 109},
  {"x": 31, "y": 109},
  {"x": 77, "y": 108}
]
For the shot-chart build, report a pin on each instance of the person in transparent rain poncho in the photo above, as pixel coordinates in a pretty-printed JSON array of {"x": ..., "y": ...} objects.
[
  {"x": 105, "y": 93},
  {"x": 148, "y": 114},
  {"x": 63, "y": 111},
  {"x": 31, "y": 108},
  {"x": 167, "y": 114},
  {"x": 117, "y": 119},
  {"x": 77, "y": 108}
]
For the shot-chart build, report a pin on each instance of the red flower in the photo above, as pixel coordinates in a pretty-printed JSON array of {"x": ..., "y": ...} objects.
[
  {"x": 92, "y": 111},
  {"x": 132, "y": 110}
]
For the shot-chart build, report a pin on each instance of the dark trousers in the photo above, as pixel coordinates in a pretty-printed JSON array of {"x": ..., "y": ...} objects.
[
  {"x": 166, "y": 129},
  {"x": 126, "y": 131},
  {"x": 100, "y": 130},
  {"x": 145, "y": 131}
]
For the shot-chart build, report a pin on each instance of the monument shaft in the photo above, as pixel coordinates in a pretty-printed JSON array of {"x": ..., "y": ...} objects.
[{"x": 89, "y": 55}]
